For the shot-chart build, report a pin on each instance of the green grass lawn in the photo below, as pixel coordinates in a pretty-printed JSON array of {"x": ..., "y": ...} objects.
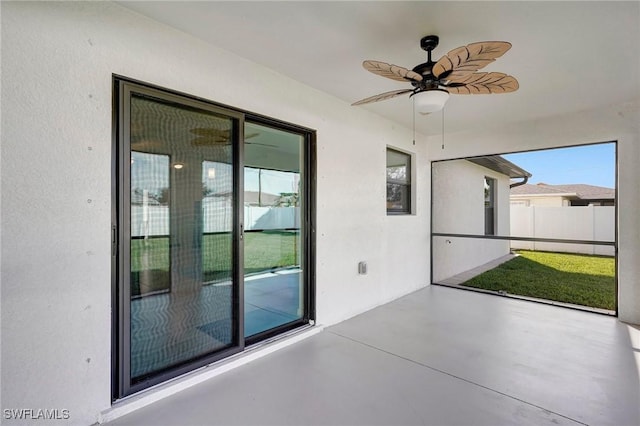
[
  {"x": 562, "y": 277},
  {"x": 262, "y": 251}
]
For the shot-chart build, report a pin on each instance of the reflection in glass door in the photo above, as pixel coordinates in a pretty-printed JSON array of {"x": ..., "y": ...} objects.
[
  {"x": 182, "y": 292},
  {"x": 273, "y": 249}
]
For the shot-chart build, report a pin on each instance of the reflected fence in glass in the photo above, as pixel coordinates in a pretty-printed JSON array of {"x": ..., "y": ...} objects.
[{"x": 580, "y": 275}]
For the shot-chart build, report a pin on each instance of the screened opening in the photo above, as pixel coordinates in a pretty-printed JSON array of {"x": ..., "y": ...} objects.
[{"x": 543, "y": 228}]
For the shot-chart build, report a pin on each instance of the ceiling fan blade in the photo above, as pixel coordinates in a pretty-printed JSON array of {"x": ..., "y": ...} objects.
[
  {"x": 210, "y": 131},
  {"x": 261, "y": 144},
  {"x": 394, "y": 72},
  {"x": 209, "y": 141},
  {"x": 382, "y": 96},
  {"x": 462, "y": 61},
  {"x": 484, "y": 83}
]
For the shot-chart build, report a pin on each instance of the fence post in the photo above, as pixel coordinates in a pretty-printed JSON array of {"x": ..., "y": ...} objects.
[
  {"x": 593, "y": 227},
  {"x": 533, "y": 225}
]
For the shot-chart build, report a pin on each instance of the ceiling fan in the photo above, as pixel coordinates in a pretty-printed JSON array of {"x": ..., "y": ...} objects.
[{"x": 454, "y": 73}]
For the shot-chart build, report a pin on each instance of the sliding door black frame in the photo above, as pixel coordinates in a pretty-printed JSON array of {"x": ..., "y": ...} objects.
[
  {"x": 124, "y": 385},
  {"x": 120, "y": 231}
]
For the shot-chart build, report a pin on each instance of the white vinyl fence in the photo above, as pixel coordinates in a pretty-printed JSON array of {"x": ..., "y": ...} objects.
[
  {"x": 592, "y": 223},
  {"x": 153, "y": 220}
]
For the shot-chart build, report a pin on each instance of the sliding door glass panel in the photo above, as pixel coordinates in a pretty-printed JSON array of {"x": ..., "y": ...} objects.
[
  {"x": 273, "y": 249},
  {"x": 181, "y": 248}
]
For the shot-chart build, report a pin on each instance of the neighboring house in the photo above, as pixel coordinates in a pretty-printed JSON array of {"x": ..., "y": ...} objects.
[
  {"x": 138, "y": 197},
  {"x": 471, "y": 197},
  {"x": 260, "y": 199},
  {"x": 537, "y": 212},
  {"x": 545, "y": 195}
]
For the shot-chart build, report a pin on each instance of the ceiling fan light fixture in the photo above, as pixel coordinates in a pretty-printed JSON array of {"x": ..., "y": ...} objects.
[{"x": 430, "y": 100}]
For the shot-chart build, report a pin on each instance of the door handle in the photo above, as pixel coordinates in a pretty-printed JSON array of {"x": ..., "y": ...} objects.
[{"x": 114, "y": 241}]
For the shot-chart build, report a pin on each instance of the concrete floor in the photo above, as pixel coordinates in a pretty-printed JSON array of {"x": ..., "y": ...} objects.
[{"x": 440, "y": 356}]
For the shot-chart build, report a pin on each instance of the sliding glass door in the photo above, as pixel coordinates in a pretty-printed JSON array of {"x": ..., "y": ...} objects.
[
  {"x": 274, "y": 197},
  {"x": 212, "y": 233},
  {"x": 181, "y": 282}
]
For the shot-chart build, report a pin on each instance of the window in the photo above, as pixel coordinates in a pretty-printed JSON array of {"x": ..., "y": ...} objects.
[
  {"x": 398, "y": 182},
  {"x": 489, "y": 206}
]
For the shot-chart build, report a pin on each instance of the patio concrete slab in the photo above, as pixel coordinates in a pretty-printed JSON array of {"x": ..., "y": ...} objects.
[{"x": 440, "y": 356}]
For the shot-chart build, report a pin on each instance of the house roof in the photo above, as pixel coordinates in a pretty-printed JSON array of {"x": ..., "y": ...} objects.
[
  {"x": 580, "y": 191},
  {"x": 529, "y": 189},
  {"x": 587, "y": 192},
  {"x": 266, "y": 199},
  {"x": 501, "y": 165}
]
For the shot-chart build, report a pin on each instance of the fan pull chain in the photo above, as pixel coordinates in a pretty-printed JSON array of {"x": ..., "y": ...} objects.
[
  {"x": 414, "y": 120},
  {"x": 442, "y": 128}
]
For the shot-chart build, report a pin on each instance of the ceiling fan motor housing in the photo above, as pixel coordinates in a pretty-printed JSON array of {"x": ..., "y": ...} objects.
[
  {"x": 430, "y": 42},
  {"x": 427, "y": 43}
]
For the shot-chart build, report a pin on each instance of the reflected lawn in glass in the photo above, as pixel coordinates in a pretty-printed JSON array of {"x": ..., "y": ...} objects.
[
  {"x": 570, "y": 278},
  {"x": 263, "y": 251}
]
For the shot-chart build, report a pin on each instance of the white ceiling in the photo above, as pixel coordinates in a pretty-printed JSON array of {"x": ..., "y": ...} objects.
[{"x": 567, "y": 56}]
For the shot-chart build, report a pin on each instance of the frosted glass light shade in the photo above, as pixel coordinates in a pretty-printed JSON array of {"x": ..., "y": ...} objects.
[{"x": 431, "y": 100}]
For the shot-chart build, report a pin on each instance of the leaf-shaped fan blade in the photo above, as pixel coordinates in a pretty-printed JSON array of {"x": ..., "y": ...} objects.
[
  {"x": 461, "y": 62},
  {"x": 382, "y": 96},
  {"x": 394, "y": 72},
  {"x": 210, "y": 131},
  {"x": 480, "y": 83}
]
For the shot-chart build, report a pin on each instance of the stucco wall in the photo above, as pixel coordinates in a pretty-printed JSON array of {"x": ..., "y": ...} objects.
[
  {"x": 619, "y": 123},
  {"x": 57, "y": 66},
  {"x": 458, "y": 208}
]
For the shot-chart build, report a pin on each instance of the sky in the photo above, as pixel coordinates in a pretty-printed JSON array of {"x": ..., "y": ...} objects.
[{"x": 588, "y": 164}]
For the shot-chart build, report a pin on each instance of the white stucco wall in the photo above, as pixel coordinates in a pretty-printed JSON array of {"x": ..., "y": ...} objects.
[
  {"x": 458, "y": 198},
  {"x": 613, "y": 123},
  {"x": 57, "y": 66},
  {"x": 458, "y": 208}
]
